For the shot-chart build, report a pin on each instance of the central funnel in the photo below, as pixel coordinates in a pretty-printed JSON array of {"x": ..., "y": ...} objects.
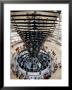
[{"x": 33, "y": 27}]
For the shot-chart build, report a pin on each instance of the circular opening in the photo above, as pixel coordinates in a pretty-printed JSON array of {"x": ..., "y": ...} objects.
[{"x": 33, "y": 64}]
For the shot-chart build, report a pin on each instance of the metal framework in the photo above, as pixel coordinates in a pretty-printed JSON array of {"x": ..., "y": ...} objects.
[{"x": 33, "y": 27}]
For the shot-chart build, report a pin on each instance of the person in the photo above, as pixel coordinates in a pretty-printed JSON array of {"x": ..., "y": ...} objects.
[
  {"x": 59, "y": 64},
  {"x": 53, "y": 53}
]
